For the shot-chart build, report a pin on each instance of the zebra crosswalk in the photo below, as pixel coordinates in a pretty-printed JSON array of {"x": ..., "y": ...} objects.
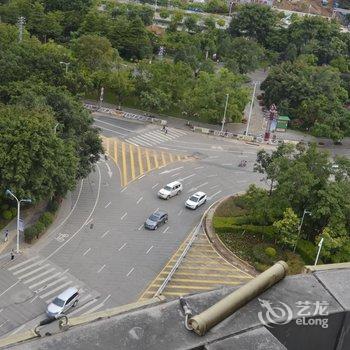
[
  {"x": 156, "y": 137},
  {"x": 45, "y": 281}
]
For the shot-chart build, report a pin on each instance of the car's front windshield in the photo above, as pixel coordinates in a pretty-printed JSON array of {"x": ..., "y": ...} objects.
[
  {"x": 58, "y": 302},
  {"x": 194, "y": 199},
  {"x": 167, "y": 188},
  {"x": 154, "y": 217}
]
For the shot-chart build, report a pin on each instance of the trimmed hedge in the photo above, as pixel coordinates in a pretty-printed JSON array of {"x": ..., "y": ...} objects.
[
  {"x": 307, "y": 251},
  {"x": 7, "y": 215},
  {"x": 46, "y": 219}
]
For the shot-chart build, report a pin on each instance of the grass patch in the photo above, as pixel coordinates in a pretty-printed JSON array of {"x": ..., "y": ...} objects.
[{"x": 231, "y": 207}]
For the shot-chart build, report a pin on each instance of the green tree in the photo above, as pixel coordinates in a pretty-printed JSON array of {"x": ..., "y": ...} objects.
[
  {"x": 94, "y": 52},
  {"x": 255, "y": 21},
  {"x": 121, "y": 84},
  {"x": 287, "y": 228},
  {"x": 35, "y": 163}
]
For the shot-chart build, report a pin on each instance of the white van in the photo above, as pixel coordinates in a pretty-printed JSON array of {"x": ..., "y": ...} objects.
[
  {"x": 170, "y": 190},
  {"x": 63, "y": 302}
]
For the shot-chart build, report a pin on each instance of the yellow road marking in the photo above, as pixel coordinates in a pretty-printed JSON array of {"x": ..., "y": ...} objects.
[
  {"x": 125, "y": 180},
  {"x": 174, "y": 280},
  {"x": 178, "y": 158},
  {"x": 171, "y": 157},
  {"x": 206, "y": 275},
  {"x": 205, "y": 268},
  {"x": 155, "y": 159},
  {"x": 148, "y": 161},
  {"x": 132, "y": 165},
  {"x": 163, "y": 159},
  {"x": 187, "y": 287},
  {"x": 116, "y": 151},
  {"x": 140, "y": 160}
]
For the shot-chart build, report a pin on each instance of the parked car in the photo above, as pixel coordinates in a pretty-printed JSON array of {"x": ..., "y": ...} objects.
[
  {"x": 63, "y": 302},
  {"x": 196, "y": 200},
  {"x": 170, "y": 190},
  {"x": 157, "y": 219}
]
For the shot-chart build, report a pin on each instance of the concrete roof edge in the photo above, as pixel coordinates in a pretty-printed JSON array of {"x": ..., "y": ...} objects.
[{"x": 312, "y": 268}]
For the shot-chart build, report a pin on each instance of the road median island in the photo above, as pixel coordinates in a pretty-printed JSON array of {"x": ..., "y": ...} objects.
[{"x": 220, "y": 246}]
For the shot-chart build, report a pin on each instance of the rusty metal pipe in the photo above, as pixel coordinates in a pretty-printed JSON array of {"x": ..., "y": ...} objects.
[{"x": 218, "y": 312}]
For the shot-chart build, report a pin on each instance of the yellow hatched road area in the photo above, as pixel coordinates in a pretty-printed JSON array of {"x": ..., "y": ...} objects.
[
  {"x": 134, "y": 161},
  {"x": 202, "y": 269}
]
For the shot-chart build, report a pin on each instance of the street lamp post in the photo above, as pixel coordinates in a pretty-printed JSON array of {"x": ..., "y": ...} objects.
[
  {"x": 319, "y": 250},
  {"x": 19, "y": 201},
  {"x": 224, "y": 118},
  {"x": 55, "y": 128},
  {"x": 66, "y": 64},
  {"x": 251, "y": 107},
  {"x": 299, "y": 228}
]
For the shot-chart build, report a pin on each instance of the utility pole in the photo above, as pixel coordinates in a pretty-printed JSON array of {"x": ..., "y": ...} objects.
[
  {"x": 21, "y": 22},
  {"x": 101, "y": 96},
  {"x": 299, "y": 228},
  {"x": 224, "y": 118},
  {"x": 251, "y": 107},
  {"x": 319, "y": 250}
]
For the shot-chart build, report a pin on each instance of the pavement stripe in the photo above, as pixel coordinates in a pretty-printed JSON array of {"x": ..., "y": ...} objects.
[
  {"x": 56, "y": 289},
  {"x": 132, "y": 163},
  {"x": 195, "y": 282},
  {"x": 26, "y": 268},
  {"x": 54, "y": 283},
  {"x": 140, "y": 160},
  {"x": 34, "y": 271},
  {"x": 125, "y": 180},
  {"x": 42, "y": 281},
  {"x": 148, "y": 161},
  {"x": 155, "y": 159},
  {"x": 41, "y": 275},
  {"x": 22, "y": 263},
  {"x": 141, "y": 140},
  {"x": 177, "y": 131},
  {"x": 95, "y": 308},
  {"x": 83, "y": 307},
  {"x": 115, "y": 144},
  {"x": 85, "y": 297}
]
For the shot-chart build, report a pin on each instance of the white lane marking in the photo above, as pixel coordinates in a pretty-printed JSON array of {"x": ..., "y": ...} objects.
[
  {"x": 36, "y": 297},
  {"x": 156, "y": 210},
  {"x": 101, "y": 268},
  {"x": 196, "y": 188},
  {"x": 139, "y": 141},
  {"x": 154, "y": 186},
  {"x": 116, "y": 132},
  {"x": 86, "y": 251},
  {"x": 76, "y": 232},
  {"x": 211, "y": 188},
  {"x": 106, "y": 298},
  {"x": 40, "y": 275},
  {"x": 140, "y": 227},
  {"x": 34, "y": 271},
  {"x": 55, "y": 290},
  {"x": 1, "y": 310},
  {"x": 213, "y": 175},
  {"x": 42, "y": 281},
  {"x": 180, "y": 212},
  {"x": 199, "y": 167},
  {"x": 115, "y": 126},
  {"x": 176, "y": 174},
  {"x": 149, "y": 249},
  {"x": 124, "y": 215},
  {"x": 122, "y": 247},
  {"x": 89, "y": 303},
  {"x": 41, "y": 289},
  {"x": 166, "y": 230},
  {"x": 85, "y": 297},
  {"x": 106, "y": 233},
  {"x": 18, "y": 329},
  {"x": 171, "y": 170},
  {"x": 95, "y": 308},
  {"x": 3, "y": 323},
  {"x": 124, "y": 189},
  {"x": 89, "y": 222},
  {"x": 109, "y": 171},
  {"x": 226, "y": 164},
  {"x": 213, "y": 157},
  {"x": 141, "y": 176},
  {"x": 139, "y": 200},
  {"x": 9, "y": 288},
  {"x": 107, "y": 205},
  {"x": 130, "y": 272},
  {"x": 187, "y": 177},
  {"x": 26, "y": 268},
  {"x": 242, "y": 181},
  {"x": 216, "y": 193},
  {"x": 22, "y": 263}
]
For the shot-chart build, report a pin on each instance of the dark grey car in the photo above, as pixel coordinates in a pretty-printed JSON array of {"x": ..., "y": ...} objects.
[{"x": 156, "y": 219}]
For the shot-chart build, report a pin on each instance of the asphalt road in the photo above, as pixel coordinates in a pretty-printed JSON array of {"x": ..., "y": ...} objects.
[{"x": 98, "y": 242}]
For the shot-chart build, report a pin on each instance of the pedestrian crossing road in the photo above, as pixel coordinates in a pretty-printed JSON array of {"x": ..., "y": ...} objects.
[
  {"x": 201, "y": 270},
  {"x": 135, "y": 161},
  {"x": 155, "y": 137},
  {"x": 35, "y": 282}
]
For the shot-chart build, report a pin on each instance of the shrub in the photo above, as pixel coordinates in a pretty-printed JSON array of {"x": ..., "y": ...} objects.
[
  {"x": 164, "y": 13},
  {"x": 46, "y": 219},
  {"x": 30, "y": 233},
  {"x": 7, "y": 214},
  {"x": 259, "y": 253},
  {"x": 260, "y": 267},
  {"x": 295, "y": 263},
  {"x": 4, "y": 207},
  {"x": 40, "y": 227},
  {"x": 53, "y": 205},
  {"x": 13, "y": 211},
  {"x": 270, "y": 252},
  {"x": 307, "y": 251},
  {"x": 221, "y": 22}
]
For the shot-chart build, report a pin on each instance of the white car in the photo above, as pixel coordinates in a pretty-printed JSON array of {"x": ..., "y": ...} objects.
[
  {"x": 196, "y": 200},
  {"x": 170, "y": 190},
  {"x": 67, "y": 299}
]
